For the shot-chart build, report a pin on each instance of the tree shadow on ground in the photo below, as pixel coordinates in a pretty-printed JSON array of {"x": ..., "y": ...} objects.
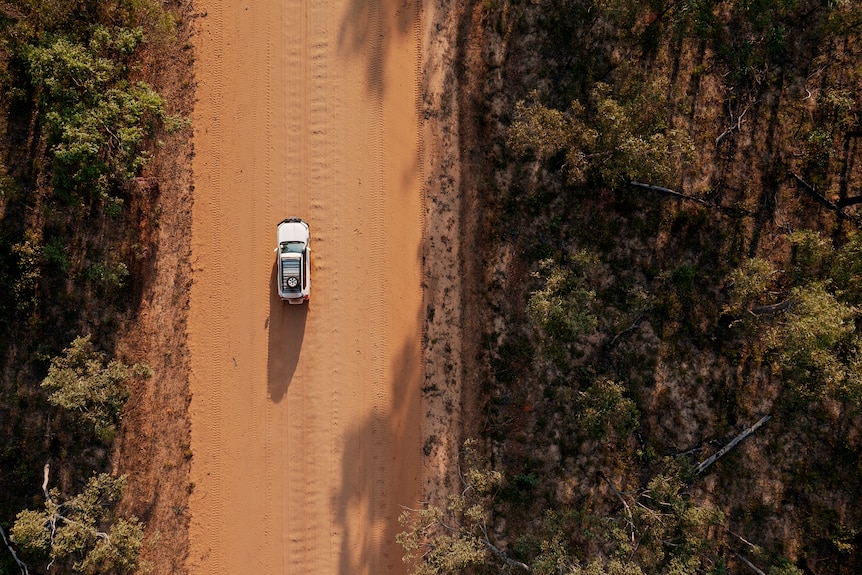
[
  {"x": 370, "y": 27},
  {"x": 380, "y": 474}
]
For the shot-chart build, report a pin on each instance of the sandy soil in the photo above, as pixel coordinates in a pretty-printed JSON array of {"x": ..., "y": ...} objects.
[
  {"x": 153, "y": 445},
  {"x": 306, "y": 427}
]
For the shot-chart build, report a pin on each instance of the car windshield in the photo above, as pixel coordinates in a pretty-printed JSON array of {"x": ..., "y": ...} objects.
[{"x": 292, "y": 247}]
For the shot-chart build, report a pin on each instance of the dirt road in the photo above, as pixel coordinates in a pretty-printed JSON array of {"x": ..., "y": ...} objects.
[{"x": 306, "y": 433}]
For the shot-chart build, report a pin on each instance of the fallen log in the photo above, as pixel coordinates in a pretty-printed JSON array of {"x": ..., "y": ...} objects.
[
  {"x": 772, "y": 308},
  {"x": 701, "y": 467},
  {"x": 749, "y": 564},
  {"x": 667, "y": 191},
  {"x": 820, "y": 198}
]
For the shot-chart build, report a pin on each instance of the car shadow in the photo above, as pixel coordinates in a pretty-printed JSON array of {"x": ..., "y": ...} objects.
[{"x": 286, "y": 326}]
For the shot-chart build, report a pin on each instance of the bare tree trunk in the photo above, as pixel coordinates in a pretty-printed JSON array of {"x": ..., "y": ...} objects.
[
  {"x": 45, "y": 471},
  {"x": 703, "y": 465}
]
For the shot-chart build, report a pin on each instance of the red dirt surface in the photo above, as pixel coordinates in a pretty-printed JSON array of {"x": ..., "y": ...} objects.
[{"x": 306, "y": 420}]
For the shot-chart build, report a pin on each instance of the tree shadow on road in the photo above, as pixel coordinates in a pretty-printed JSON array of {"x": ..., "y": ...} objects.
[
  {"x": 368, "y": 28},
  {"x": 382, "y": 469},
  {"x": 286, "y": 325}
]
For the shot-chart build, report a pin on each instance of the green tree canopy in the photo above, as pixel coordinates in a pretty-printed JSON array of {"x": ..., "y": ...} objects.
[
  {"x": 817, "y": 348},
  {"x": 617, "y": 137},
  {"x": 96, "y": 119},
  {"x": 92, "y": 388}
]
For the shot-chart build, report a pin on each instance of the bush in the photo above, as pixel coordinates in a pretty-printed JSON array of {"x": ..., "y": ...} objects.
[
  {"x": 451, "y": 539},
  {"x": 604, "y": 411},
  {"x": 107, "y": 277},
  {"x": 82, "y": 382},
  {"x": 563, "y": 307}
]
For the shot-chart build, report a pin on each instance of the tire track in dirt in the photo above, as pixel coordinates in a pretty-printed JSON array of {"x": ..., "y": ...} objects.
[
  {"x": 292, "y": 557},
  {"x": 322, "y": 182},
  {"x": 309, "y": 520},
  {"x": 273, "y": 184},
  {"x": 210, "y": 501},
  {"x": 276, "y": 455},
  {"x": 325, "y": 108},
  {"x": 378, "y": 316},
  {"x": 262, "y": 186}
]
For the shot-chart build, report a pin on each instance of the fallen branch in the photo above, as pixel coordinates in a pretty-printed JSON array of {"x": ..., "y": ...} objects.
[
  {"x": 733, "y": 127},
  {"x": 21, "y": 564},
  {"x": 748, "y": 564},
  {"x": 496, "y": 551},
  {"x": 630, "y": 328},
  {"x": 820, "y": 198},
  {"x": 741, "y": 538},
  {"x": 772, "y": 308},
  {"x": 623, "y": 501},
  {"x": 817, "y": 196},
  {"x": 703, "y": 465},
  {"x": 667, "y": 191},
  {"x": 687, "y": 452}
]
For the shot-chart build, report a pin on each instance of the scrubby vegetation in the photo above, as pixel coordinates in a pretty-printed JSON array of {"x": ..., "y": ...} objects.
[
  {"x": 93, "y": 391},
  {"x": 667, "y": 194},
  {"x": 78, "y": 125}
]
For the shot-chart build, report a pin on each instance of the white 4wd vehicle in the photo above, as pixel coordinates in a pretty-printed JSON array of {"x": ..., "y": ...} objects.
[{"x": 292, "y": 260}]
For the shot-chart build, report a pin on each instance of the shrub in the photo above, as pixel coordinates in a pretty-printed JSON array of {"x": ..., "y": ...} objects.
[
  {"x": 563, "y": 307},
  {"x": 82, "y": 382},
  {"x": 30, "y": 259},
  {"x": 604, "y": 411},
  {"x": 108, "y": 277},
  {"x": 749, "y": 284}
]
